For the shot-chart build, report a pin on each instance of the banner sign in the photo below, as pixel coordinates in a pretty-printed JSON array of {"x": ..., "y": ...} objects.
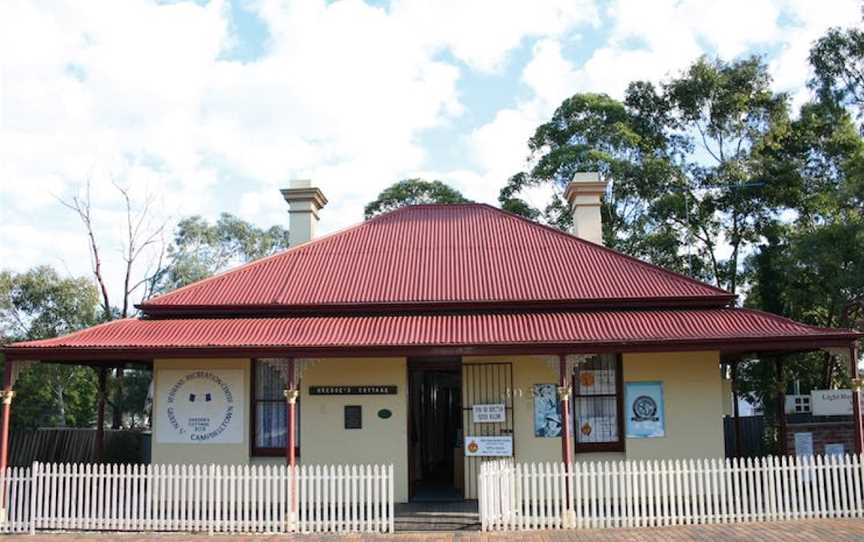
[
  {"x": 547, "y": 411},
  {"x": 643, "y": 409},
  {"x": 488, "y": 413},
  {"x": 352, "y": 390},
  {"x": 488, "y": 446},
  {"x": 200, "y": 406},
  {"x": 831, "y": 402}
]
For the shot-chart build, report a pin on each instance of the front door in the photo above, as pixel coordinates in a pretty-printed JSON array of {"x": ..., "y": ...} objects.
[{"x": 435, "y": 429}]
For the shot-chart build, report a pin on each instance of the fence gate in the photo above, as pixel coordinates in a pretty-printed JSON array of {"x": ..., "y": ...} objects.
[{"x": 482, "y": 384}]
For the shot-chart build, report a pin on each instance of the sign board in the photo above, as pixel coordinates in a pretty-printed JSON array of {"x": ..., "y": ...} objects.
[
  {"x": 831, "y": 402},
  {"x": 353, "y": 417},
  {"x": 200, "y": 406},
  {"x": 835, "y": 449},
  {"x": 804, "y": 443},
  {"x": 488, "y": 446},
  {"x": 495, "y": 413},
  {"x": 352, "y": 390},
  {"x": 643, "y": 410}
]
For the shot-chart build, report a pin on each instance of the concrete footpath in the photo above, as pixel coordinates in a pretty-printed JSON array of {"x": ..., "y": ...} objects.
[{"x": 835, "y": 530}]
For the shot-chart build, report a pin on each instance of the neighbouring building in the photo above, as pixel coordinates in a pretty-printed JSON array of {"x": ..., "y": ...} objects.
[{"x": 432, "y": 337}]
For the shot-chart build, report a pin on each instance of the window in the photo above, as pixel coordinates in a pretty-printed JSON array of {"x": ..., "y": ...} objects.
[
  {"x": 597, "y": 403},
  {"x": 270, "y": 413}
]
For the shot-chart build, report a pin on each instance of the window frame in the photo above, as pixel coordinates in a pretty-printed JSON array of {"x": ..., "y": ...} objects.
[
  {"x": 257, "y": 451},
  {"x": 589, "y": 447}
]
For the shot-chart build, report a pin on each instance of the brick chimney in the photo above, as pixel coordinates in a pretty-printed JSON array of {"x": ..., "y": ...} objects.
[
  {"x": 304, "y": 202},
  {"x": 583, "y": 194}
]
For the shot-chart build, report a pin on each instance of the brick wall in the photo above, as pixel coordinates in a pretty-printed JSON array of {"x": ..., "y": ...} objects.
[{"x": 833, "y": 432}]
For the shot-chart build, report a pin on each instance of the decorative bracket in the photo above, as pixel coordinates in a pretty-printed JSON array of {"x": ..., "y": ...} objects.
[
  {"x": 6, "y": 396},
  {"x": 564, "y": 393},
  {"x": 291, "y": 395}
]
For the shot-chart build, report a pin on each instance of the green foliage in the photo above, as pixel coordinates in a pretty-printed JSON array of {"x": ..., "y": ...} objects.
[
  {"x": 201, "y": 249},
  {"x": 837, "y": 59},
  {"x": 412, "y": 192},
  {"x": 688, "y": 162},
  {"x": 40, "y": 304}
]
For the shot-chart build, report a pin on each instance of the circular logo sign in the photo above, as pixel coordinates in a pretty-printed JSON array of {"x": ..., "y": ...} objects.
[
  {"x": 200, "y": 406},
  {"x": 644, "y": 408}
]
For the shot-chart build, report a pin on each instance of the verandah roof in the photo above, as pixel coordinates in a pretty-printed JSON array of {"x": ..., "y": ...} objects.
[{"x": 725, "y": 329}]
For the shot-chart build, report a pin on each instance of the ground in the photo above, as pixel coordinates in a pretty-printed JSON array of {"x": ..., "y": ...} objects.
[{"x": 834, "y": 530}]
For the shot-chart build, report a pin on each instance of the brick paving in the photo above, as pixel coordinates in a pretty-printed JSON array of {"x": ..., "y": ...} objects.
[{"x": 835, "y": 530}]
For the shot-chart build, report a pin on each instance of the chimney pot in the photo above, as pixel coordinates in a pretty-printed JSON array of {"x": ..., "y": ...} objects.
[
  {"x": 584, "y": 195},
  {"x": 304, "y": 202}
]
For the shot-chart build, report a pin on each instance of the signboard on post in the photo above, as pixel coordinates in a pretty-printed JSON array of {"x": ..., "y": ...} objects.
[
  {"x": 495, "y": 413},
  {"x": 488, "y": 446},
  {"x": 831, "y": 402},
  {"x": 200, "y": 406}
]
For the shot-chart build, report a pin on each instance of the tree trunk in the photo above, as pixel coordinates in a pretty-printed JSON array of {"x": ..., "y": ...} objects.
[{"x": 116, "y": 410}]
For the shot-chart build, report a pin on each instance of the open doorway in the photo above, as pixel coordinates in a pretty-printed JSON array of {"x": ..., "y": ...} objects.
[{"x": 435, "y": 429}]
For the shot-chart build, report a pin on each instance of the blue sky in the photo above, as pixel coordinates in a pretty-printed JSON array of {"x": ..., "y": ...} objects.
[{"x": 206, "y": 107}]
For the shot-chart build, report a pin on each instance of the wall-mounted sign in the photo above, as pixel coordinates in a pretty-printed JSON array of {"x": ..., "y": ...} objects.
[
  {"x": 200, "y": 406},
  {"x": 643, "y": 409},
  {"x": 352, "y": 390},
  {"x": 488, "y": 446},
  {"x": 804, "y": 443},
  {"x": 831, "y": 402},
  {"x": 353, "y": 417},
  {"x": 835, "y": 449},
  {"x": 495, "y": 413}
]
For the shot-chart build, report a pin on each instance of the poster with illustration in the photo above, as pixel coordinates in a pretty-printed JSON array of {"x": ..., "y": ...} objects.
[
  {"x": 643, "y": 409},
  {"x": 547, "y": 415}
]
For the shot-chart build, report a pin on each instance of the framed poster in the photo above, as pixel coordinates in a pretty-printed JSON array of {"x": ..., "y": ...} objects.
[
  {"x": 200, "y": 406},
  {"x": 547, "y": 414},
  {"x": 643, "y": 410}
]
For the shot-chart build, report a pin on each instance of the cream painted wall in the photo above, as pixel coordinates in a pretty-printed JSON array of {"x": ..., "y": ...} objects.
[
  {"x": 324, "y": 440},
  {"x": 692, "y": 401},
  {"x": 219, "y": 453},
  {"x": 692, "y": 396}
]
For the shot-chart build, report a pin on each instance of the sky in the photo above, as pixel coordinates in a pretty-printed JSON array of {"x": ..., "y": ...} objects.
[{"x": 210, "y": 107}]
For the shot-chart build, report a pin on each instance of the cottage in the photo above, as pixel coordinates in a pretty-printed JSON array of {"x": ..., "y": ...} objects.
[{"x": 433, "y": 337}]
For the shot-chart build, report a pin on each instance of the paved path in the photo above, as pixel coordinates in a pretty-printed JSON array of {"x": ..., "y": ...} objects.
[{"x": 838, "y": 530}]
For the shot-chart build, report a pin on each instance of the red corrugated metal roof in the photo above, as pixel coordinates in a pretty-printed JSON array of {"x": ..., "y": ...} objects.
[
  {"x": 667, "y": 327},
  {"x": 433, "y": 254}
]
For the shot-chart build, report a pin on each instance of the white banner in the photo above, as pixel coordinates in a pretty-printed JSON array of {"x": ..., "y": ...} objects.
[
  {"x": 200, "y": 406},
  {"x": 488, "y": 446}
]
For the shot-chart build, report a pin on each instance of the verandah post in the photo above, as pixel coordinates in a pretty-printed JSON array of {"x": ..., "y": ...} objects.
[
  {"x": 856, "y": 397},
  {"x": 736, "y": 419},
  {"x": 291, "y": 394},
  {"x": 6, "y": 395},
  {"x": 564, "y": 394}
]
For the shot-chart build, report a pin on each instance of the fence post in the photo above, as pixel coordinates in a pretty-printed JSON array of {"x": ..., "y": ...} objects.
[{"x": 35, "y": 495}]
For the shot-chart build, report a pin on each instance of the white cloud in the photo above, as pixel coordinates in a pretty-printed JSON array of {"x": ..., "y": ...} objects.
[{"x": 142, "y": 92}]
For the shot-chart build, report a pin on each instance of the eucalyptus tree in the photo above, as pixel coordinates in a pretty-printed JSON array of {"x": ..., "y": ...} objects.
[{"x": 688, "y": 159}]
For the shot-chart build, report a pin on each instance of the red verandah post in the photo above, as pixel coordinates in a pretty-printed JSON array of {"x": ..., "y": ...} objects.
[
  {"x": 856, "y": 397},
  {"x": 6, "y": 396},
  {"x": 291, "y": 394},
  {"x": 564, "y": 394}
]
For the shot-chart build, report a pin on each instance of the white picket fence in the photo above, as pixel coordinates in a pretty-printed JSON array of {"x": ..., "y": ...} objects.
[
  {"x": 668, "y": 492},
  {"x": 199, "y": 498}
]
